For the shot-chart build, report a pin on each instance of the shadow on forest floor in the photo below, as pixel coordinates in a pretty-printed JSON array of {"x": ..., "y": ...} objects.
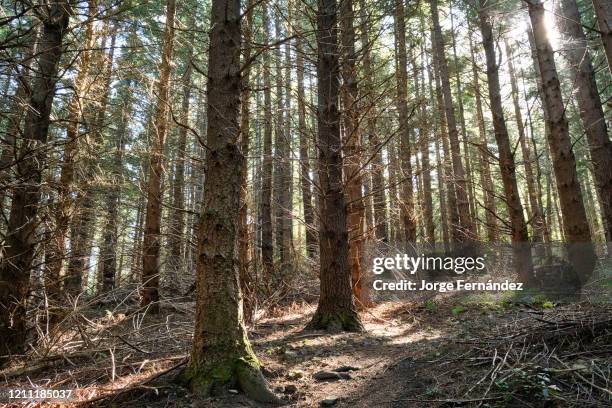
[{"x": 449, "y": 350}]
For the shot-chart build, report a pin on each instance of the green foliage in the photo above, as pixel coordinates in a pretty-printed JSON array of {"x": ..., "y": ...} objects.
[{"x": 457, "y": 310}]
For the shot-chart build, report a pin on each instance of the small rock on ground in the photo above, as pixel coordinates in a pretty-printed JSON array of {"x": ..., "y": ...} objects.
[
  {"x": 331, "y": 376},
  {"x": 329, "y": 401}
]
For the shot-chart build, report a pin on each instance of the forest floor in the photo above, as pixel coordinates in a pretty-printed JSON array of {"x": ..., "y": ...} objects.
[{"x": 449, "y": 350}]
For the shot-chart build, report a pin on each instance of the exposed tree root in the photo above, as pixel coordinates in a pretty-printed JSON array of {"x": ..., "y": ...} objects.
[
  {"x": 334, "y": 322},
  {"x": 217, "y": 377}
]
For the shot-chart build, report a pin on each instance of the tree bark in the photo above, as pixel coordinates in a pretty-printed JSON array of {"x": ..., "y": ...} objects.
[
  {"x": 538, "y": 171},
  {"x": 335, "y": 311},
  {"x": 463, "y": 228},
  {"x": 64, "y": 204},
  {"x": 305, "y": 182},
  {"x": 82, "y": 229},
  {"x": 17, "y": 111},
  {"x": 352, "y": 147},
  {"x": 464, "y": 134},
  {"x": 21, "y": 236},
  {"x": 282, "y": 168},
  {"x": 176, "y": 255},
  {"x": 575, "y": 223},
  {"x": 136, "y": 267},
  {"x": 423, "y": 128},
  {"x": 485, "y": 168},
  {"x": 449, "y": 216},
  {"x": 523, "y": 263},
  {"x": 591, "y": 111},
  {"x": 378, "y": 182},
  {"x": 440, "y": 129},
  {"x": 221, "y": 354},
  {"x": 108, "y": 250},
  {"x": 152, "y": 226},
  {"x": 246, "y": 284},
  {"x": 603, "y": 11},
  {"x": 395, "y": 227},
  {"x": 407, "y": 200},
  {"x": 266, "y": 188},
  {"x": 537, "y": 217}
]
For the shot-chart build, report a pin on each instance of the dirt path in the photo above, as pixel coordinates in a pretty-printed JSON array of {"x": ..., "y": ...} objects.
[{"x": 412, "y": 354}]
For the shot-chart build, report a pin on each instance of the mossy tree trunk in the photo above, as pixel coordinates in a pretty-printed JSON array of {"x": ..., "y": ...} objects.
[{"x": 221, "y": 355}]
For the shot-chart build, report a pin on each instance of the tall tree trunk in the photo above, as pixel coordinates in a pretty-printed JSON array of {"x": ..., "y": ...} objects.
[
  {"x": 549, "y": 170},
  {"x": 464, "y": 133},
  {"x": 81, "y": 238},
  {"x": 64, "y": 205},
  {"x": 407, "y": 201},
  {"x": 537, "y": 217},
  {"x": 336, "y": 310},
  {"x": 485, "y": 169},
  {"x": 21, "y": 237},
  {"x": 221, "y": 354},
  {"x": 288, "y": 159},
  {"x": 591, "y": 111},
  {"x": 176, "y": 255},
  {"x": 395, "y": 227},
  {"x": 282, "y": 167},
  {"x": 538, "y": 171},
  {"x": 266, "y": 188},
  {"x": 108, "y": 250},
  {"x": 135, "y": 268},
  {"x": 463, "y": 228},
  {"x": 603, "y": 11},
  {"x": 523, "y": 263},
  {"x": 378, "y": 182},
  {"x": 352, "y": 147},
  {"x": 152, "y": 227},
  {"x": 82, "y": 230},
  {"x": 575, "y": 223},
  {"x": 246, "y": 284},
  {"x": 305, "y": 181},
  {"x": 440, "y": 129},
  {"x": 450, "y": 210},
  {"x": 17, "y": 111},
  {"x": 423, "y": 128}
]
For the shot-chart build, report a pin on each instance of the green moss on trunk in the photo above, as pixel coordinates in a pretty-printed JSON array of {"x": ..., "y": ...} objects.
[{"x": 215, "y": 377}]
